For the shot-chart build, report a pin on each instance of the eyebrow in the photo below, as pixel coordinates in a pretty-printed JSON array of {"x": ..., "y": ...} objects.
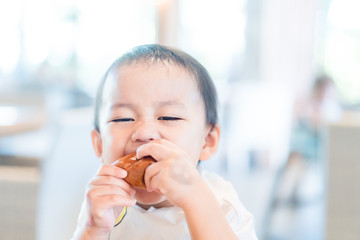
[
  {"x": 171, "y": 103},
  {"x": 121, "y": 105},
  {"x": 159, "y": 104}
]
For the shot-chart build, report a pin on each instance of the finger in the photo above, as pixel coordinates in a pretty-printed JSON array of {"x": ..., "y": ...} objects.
[
  {"x": 150, "y": 173},
  {"x": 112, "y": 201},
  {"x": 100, "y": 191},
  {"x": 158, "y": 149},
  {"x": 111, "y": 170},
  {"x": 111, "y": 181}
]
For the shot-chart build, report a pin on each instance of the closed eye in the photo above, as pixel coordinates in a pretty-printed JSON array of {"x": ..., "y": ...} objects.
[
  {"x": 169, "y": 118},
  {"x": 123, "y": 120}
]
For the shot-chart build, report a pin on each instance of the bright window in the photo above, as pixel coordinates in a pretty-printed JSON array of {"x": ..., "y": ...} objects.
[
  {"x": 69, "y": 42},
  {"x": 213, "y": 32},
  {"x": 342, "y": 48}
]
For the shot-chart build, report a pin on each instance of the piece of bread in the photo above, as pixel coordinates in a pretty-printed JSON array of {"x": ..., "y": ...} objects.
[{"x": 135, "y": 169}]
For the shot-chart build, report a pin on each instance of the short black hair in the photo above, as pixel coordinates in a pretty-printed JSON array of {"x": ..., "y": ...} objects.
[{"x": 156, "y": 53}]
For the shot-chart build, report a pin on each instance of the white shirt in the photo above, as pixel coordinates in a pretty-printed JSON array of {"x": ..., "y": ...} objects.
[{"x": 169, "y": 222}]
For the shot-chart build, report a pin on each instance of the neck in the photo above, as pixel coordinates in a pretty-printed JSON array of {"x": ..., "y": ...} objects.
[{"x": 162, "y": 204}]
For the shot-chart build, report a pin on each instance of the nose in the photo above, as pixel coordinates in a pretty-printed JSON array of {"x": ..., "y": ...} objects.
[{"x": 145, "y": 131}]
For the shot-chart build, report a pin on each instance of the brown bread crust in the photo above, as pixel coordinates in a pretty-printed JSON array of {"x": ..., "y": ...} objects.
[{"x": 135, "y": 169}]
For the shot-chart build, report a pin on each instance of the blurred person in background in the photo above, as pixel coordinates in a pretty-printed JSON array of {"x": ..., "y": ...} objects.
[
  {"x": 298, "y": 190},
  {"x": 321, "y": 107}
]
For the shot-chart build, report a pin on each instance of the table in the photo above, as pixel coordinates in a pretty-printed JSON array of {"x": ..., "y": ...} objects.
[{"x": 16, "y": 119}]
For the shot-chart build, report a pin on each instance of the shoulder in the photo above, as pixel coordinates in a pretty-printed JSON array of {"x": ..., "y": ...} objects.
[
  {"x": 222, "y": 189},
  {"x": 239, "y": 218}
]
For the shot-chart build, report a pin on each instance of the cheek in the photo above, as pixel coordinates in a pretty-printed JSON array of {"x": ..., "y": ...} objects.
[
  {"x": 197, "y": 142},
  {"x": 113, "y": 147},
  {"x": 191, "y": 141}
]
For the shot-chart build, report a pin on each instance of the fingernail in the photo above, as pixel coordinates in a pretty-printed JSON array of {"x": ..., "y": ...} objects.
[
  {"x": 114, "y": 163},
  {"x": 122, "y": 173},
  {"x": 137, "y": 152}
]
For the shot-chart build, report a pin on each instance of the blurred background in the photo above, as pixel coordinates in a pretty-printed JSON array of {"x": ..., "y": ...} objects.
[{"x": 288, "y": 79}]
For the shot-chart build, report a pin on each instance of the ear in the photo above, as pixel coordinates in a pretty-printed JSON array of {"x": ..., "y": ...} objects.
[
  {"x": 211, "y": 143},
  {"x": 96, "y": 142}
]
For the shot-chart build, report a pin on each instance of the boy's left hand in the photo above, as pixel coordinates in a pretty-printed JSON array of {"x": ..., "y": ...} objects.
[{"x": 174, "y": 175}]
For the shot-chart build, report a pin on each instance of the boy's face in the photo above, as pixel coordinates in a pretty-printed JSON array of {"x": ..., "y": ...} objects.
[{"x": 144, "y": 102}]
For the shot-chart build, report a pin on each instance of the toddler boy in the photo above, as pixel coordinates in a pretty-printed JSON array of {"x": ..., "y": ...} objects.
[{"x": 160, "y": 102}]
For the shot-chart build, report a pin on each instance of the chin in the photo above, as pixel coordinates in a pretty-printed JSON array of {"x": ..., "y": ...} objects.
[{"x": 144, "y": 197}]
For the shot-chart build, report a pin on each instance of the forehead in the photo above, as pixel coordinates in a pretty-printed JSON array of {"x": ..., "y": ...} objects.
[{"x": 162, "y": 79}]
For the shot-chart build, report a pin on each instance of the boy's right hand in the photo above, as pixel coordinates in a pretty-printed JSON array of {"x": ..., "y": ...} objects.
[{"x": 107, "y": 193}]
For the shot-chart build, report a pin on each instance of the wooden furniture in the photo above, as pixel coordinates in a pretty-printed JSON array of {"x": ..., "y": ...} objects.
[
  {"x": 22, "y": 118},
  {"x": 18, "y": 202},
  {"x": 342, "y": 151}
]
